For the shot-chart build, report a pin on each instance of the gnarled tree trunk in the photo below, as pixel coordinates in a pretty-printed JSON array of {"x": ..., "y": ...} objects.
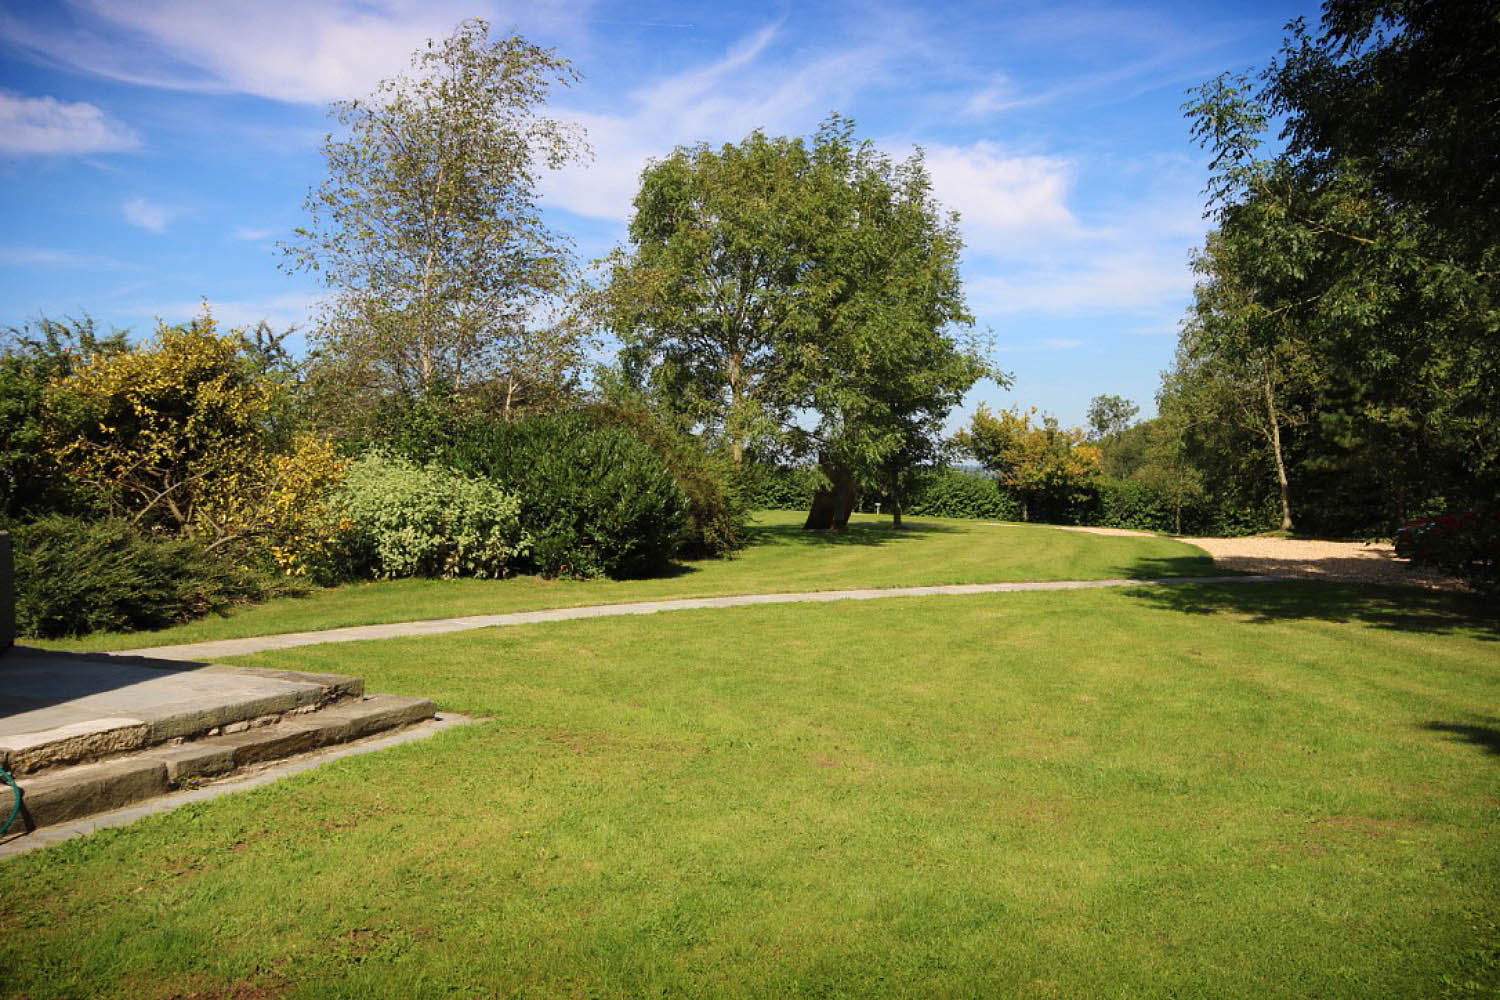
[{"x": 832, "y": 504}]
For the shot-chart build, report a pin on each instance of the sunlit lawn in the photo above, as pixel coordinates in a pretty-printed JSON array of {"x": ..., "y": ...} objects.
[
  {"x": 781, "y": 558},
  {"x": 1285, "y": 790}
]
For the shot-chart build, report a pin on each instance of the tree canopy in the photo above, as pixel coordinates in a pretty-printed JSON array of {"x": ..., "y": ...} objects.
[
  {"x": 799, "y": 297},
  {"x": 1110, "y": 415},
  {"x": 1355, "y": 269},
  {"x": 1043, "y": 464}
]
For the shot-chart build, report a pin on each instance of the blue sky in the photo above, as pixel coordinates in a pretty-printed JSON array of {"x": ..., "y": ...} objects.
[{"x": 152, "y": 152}]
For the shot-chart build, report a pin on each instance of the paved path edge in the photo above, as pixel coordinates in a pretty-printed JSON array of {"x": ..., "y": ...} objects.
[{"x": 207, "y": 651}]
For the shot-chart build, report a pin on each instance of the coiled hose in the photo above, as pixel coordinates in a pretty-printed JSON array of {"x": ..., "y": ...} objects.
[{"x": 15, "y": 809}]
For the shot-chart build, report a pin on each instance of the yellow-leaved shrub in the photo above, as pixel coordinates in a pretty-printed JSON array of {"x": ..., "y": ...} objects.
[{"x": 174, "y": 436}]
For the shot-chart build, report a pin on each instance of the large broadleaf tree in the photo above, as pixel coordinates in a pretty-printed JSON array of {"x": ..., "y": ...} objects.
[{"x": 800, "y": 297}]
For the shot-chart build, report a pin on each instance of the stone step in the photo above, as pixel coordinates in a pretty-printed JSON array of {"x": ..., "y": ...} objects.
[
  {"x": 57, "y": 709},
  {"x": 60, "y": 794}
]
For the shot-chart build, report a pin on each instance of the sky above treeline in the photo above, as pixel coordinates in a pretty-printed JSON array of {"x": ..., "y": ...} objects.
[{"x": 153, "y": 152}]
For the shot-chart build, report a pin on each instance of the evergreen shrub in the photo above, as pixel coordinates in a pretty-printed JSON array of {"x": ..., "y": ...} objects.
[
  {"x": 76, "y": 576},
  {"x": 717, "y": 504},
  {"x": 1130, "y": 503},
  {"x": 778, "y": 487},
  {"x": 595, "y": 499}
]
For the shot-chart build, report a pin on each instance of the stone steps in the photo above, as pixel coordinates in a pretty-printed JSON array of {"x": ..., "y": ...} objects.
[
  {"x": 89, "y": 708},
  {"x": 58, "y": 793}
]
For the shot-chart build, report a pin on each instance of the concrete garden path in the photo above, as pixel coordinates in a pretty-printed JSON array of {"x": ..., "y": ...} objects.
[{"x": 208, "y": 651}]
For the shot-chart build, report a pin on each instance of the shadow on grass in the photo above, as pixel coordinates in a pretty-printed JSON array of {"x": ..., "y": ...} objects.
[
  {"x": 1151, "y": 567},
  {"x": 668, "y": 571},
  {"x": 1486, "y": 738},
  {"x": 1331, "y": 569},
  {"x": 1401, "y": 609},
  {"x": 855, "y": 534}
]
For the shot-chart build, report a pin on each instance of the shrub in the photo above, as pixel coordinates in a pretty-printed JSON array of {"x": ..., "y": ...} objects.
[
  {"x": 717, "y": 505},
  {"x": 75, "y": 576},
  {"x": 279, "y": 517},
  {"x": 776, "y": 487},
  {"x": 164, "y": 424},
  {"x": 394, "y": 518},
  {"x": 1467, "y": 544},
  {"x": 956, "y": 493},
  {"x": 596, "y": 500},
  {"x": 1130, "y": 503},
  {"x": 32, "y": 481}
]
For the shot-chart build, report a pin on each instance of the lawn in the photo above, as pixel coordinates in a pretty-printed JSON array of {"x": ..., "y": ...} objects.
[
  {"x": 1253, "y": 791},
  {"x": 781, "y": 558}
]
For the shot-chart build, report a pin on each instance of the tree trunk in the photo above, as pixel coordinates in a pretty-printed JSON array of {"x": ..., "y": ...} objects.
[
  {"x": 736, "y": 401},
  {"x": 895, "y": 513},
  {"x": 1281, "y": 481},
  {"x": 832, "y": 504}
]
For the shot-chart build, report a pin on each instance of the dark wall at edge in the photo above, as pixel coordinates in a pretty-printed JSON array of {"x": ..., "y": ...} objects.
[{"x": 7, "y": 594}]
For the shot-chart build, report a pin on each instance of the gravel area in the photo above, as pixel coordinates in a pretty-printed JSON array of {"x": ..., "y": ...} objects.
[{"x": 1359, "y": 562}]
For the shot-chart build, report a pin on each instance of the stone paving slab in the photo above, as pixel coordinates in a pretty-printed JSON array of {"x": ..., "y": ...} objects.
[
  {"x": 442, "y": 626},
  {"x": 61, "y": 707}
]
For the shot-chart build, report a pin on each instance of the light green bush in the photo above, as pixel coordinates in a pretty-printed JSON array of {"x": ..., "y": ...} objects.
[{"x": 394, "y": 518}]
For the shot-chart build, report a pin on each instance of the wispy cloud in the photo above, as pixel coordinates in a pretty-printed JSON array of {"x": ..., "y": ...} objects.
[
  {"x": 1109, "y": 281},
  {"x": 289, "y": 50},
  {"x": 750, "y": 86},
  {"x": 1121, "y": 52},
  {"x": 47, "y": 257},
  {"x": 46, "y": 125},
  {"x": 146, "y": 214},
  {"x": 253, "y": 235}
]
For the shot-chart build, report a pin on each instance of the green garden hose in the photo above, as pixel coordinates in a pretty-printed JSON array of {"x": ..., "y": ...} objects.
[{"x": 15, "y": 810}]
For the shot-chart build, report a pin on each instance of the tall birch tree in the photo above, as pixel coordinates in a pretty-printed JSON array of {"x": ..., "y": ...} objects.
[{"x": 427, "y": 228}]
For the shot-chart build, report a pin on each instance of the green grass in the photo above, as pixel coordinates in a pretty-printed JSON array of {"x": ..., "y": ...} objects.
[
  {"x": 781, "y": 558},
  {"x": 1255, "y": 791}
]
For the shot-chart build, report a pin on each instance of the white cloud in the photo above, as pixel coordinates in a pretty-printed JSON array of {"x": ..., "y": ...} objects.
[
  {"x": 1108, "y": 281},
  {"x": 41, "y": 125},
  {"x": 1002, "y": 198},
  {"x": 252, "y": 235},
  {"x": 309, "y": 51},
  {"x": 148, "y": 215}
]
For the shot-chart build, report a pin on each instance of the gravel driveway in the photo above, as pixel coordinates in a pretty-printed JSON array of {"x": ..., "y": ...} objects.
[{"x": 1360, "y": 562}]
